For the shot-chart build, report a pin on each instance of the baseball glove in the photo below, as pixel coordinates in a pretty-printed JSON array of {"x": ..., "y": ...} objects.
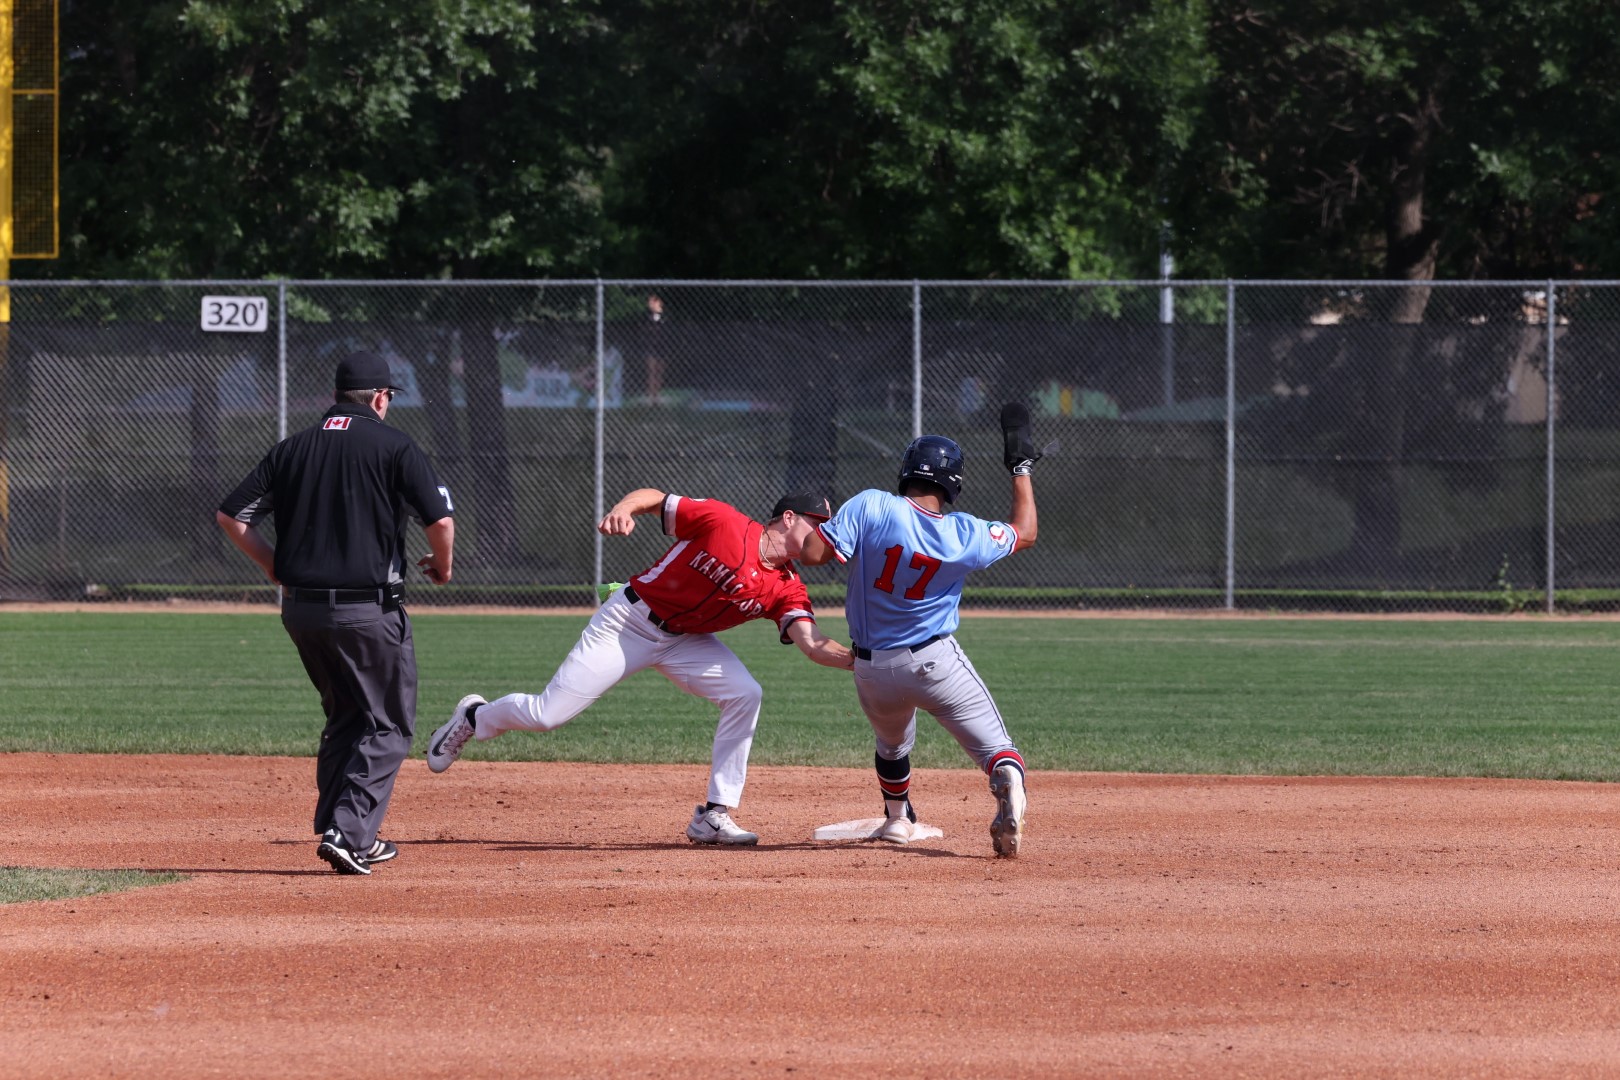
[{"x": 1018, "y": 448}]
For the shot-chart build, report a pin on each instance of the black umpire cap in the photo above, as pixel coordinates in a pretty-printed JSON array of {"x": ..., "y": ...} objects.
[
  {"x": 805, "y": 504},
  {"x": 364, "y": 371}
]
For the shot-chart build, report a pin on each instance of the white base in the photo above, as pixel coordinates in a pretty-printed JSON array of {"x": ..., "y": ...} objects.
[{"x": 868, "y": 829}]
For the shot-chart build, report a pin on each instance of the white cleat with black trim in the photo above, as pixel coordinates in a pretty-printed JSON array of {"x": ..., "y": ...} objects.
[
  {"x": 716, "y": 827},
  {"x": 445, "y": 746}
]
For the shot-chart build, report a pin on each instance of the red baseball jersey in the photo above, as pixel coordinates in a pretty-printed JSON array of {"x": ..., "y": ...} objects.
[{"x": 712, "y": 578}]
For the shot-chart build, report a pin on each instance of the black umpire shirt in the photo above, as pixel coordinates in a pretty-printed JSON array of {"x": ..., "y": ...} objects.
[{"x": 339, "y": 492}]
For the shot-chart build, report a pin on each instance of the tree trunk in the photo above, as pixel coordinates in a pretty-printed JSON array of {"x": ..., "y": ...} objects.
[
  {"x": 1412, "y": 246},
  {"x": 1413, "y": 242},
  {"x": 208, "y": 362},
  {"x": 432, "y": 350},
  {"x": 494, "y": 514}
]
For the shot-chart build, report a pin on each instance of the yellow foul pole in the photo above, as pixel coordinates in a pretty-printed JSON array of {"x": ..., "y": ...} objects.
[{"x": 7, "y": 146}]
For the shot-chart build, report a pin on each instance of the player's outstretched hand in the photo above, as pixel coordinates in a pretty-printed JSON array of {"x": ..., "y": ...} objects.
[{"x": 1018, "y": 447}]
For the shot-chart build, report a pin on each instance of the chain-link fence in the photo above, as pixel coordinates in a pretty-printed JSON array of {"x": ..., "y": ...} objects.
[{"x": 1335, "y": 446}]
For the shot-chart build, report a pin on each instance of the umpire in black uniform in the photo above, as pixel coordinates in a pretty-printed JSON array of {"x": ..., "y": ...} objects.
[{"x": 338, "y": 493}]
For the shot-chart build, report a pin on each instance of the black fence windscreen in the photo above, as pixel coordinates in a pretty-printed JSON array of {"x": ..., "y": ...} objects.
[{"x": 1332, "y": 446}]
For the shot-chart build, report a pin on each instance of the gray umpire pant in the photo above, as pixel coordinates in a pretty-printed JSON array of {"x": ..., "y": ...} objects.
[{"x": 363, "y": 661}]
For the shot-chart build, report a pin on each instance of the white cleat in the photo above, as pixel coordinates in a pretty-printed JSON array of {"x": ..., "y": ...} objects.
[
  {"x": 716, "y": 827},
  {"x": 446, "y": 744},
  {"x": 1007, "y": 829},
  {"x": 900, "y": 824},
  {"x": 898, "y": 830}
]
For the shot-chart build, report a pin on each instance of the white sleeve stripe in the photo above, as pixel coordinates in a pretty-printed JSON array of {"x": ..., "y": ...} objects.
[
  {"x": 254, "y": 510},
  {"x": 789, "y": 620},
  {"x": 670, "y": 503},
  {"x": 659, "y": 567}
]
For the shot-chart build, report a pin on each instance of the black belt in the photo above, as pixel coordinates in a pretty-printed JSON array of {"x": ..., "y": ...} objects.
[
  {"x": 866, "y": 654},
  {"x": 631, "y": 595},
  {"x": 385, "y": 596}
]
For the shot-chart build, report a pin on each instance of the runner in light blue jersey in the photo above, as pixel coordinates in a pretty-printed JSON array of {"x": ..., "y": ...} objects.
[
  {"x": 909, "y": 562},
  {"x": 907, "y": 559}
]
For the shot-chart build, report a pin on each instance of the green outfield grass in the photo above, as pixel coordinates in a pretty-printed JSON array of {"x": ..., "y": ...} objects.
[
  {"x": 1523, "y": 697},
  {"x": 20, "y": 884}
]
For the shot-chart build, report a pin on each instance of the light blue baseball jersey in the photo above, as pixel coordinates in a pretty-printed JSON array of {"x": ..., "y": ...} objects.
[{"x": 907, "y": 565}]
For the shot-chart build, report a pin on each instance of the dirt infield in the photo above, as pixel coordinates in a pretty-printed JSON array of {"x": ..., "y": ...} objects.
[{"x": 549, "y": 920}]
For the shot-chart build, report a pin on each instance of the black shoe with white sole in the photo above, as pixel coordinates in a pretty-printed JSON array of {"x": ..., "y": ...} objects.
[
  {"x": 336, "y": 851},
  {"x": 380, "y": 851}
]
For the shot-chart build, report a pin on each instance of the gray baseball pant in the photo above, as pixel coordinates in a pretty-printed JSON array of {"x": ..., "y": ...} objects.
[{"x": 940, "y": 679}]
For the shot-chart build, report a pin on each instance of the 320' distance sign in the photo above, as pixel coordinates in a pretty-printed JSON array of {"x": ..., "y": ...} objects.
[{"x": 236, "y": 314}]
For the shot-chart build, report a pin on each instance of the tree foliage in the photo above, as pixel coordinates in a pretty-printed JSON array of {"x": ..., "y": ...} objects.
[
  {"x": 1388, "y": 139},
  {"x": 244, "y": 138},
  {"x": 1026, "y": 137},
  {"x": 852, "y": 138}
]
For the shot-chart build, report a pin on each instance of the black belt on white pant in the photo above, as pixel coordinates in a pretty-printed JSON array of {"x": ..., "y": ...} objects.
[{"x": 631, "y": 595}]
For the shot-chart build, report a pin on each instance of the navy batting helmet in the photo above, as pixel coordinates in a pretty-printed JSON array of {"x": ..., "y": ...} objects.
[{"x": 936, "y": 459}]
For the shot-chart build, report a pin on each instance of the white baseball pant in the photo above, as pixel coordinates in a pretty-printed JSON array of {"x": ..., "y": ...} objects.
[{"x": 620, "y": 641}]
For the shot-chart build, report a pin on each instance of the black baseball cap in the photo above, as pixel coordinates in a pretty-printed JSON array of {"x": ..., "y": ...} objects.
[
  {"x": 805, "y": 504},
  {"x": 364, "y": 371}
]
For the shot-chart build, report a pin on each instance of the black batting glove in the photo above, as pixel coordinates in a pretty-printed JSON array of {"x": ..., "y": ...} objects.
[{"x": 1018, "y": 448}]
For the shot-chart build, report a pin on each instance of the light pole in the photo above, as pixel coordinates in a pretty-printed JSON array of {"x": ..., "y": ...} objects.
[{"x": 1167, "y": 315}]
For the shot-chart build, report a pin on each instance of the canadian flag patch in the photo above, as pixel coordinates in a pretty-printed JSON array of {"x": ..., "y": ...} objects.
[{"x": 336, "y": 423}]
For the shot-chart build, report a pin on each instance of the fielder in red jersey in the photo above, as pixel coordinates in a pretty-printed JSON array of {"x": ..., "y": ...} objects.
[
  {"x": 714, "y": 576},
  {"x": 723, "y": 569}
]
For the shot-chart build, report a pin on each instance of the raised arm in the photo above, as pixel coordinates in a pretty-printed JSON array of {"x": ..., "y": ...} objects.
[
  {"x": 620, "y": 521},
  {"x": 818, "y": 646},
  {"x": 1019, "y": 455},
  {"x": 1022, "y": 515}
]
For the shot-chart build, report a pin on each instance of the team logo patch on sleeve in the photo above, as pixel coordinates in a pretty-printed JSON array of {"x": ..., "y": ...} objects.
[
  {"x": 336, "y": 423},
  {"x": 999, "y": 535}
]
